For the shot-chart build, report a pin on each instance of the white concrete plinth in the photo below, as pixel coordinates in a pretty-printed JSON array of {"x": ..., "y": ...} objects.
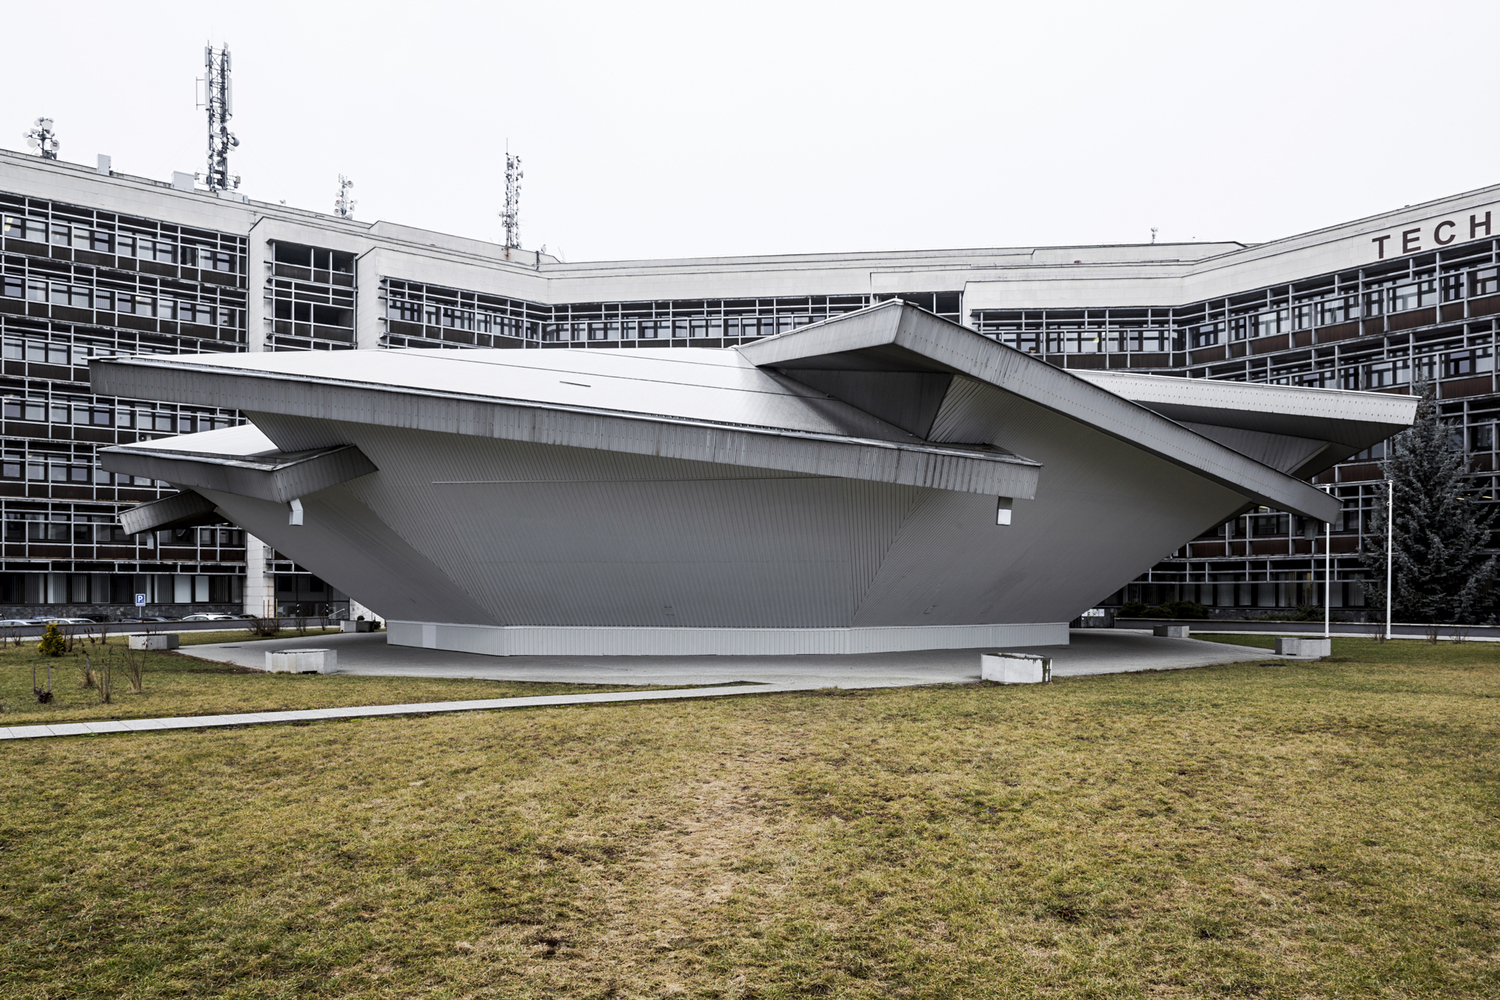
[
  {"x": 1014, "y": 668},
  {"x": 547, "y": 640},
  {"x": 356, "y": 626},
  {"x": 302, "y": 661},
  {"x": 1171, "y": 631},
  {"x": 1290, "y": 646},
  {"x": 153, "y": 640}
]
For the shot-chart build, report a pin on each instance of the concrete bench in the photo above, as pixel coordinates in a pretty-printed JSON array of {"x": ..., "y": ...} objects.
[
  {"x": 302, "y": 661},
  {"x": 1295, "y": 646},
  {"x": 1015, "y": 668},
  {"x": 1172, "y": 631},
  {"x": 356, "y": 626},
  {"x": 152, "y": 640}
]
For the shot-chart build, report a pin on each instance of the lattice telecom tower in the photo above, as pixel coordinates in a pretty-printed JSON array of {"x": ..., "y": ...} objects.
[
  {"x": 218, "y": 98},
  {"x": 511, "y": 216},
  {"x": 343, "y": 205},
  {"x": 42, "y": 138}
]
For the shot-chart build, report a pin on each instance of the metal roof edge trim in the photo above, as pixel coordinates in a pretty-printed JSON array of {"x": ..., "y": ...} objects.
[
  {"x": 1235, "y": 389},
  {"x": 166, "y": 512},
  {"x": 277, "y": 483}
]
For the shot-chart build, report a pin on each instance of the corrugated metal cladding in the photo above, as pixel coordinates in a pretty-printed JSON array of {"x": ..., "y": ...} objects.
[
  {"x": 562, "y": 536},
  {"x": 343, "y": 542},
  {"x": 534, "y": 641},
  {"x": 1103, "y": 509},
  {"x": 529, "y": 535}
]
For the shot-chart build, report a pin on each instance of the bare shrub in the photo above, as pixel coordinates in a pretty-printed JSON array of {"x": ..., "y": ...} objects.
[
  {"x": 265, "y": 626},
  {"x": 42, "y": 697},
  {"x": 102, "y": 677},
  {"x": 134, "y": 667}
]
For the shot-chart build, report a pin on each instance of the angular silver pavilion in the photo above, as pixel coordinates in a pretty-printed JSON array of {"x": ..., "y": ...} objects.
[{"x": 884, "y": 480}]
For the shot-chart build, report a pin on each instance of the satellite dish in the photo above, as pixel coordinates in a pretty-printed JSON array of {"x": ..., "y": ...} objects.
[{"x": 31, "y": 141}]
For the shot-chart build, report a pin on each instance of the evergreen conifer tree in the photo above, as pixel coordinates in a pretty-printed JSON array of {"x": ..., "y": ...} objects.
[{"x": 1441, "y": 570}]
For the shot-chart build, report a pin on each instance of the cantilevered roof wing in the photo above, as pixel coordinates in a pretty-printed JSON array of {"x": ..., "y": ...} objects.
[
  {"x": 713, "y": 407},
  {"x": 895, "y": 337}
]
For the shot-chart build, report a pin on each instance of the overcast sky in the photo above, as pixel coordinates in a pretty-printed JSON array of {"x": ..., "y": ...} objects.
[{"x": 665, "y": 130}]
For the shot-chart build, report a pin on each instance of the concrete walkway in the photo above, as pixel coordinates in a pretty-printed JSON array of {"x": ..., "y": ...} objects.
[{"x": 1090, "y": 652}]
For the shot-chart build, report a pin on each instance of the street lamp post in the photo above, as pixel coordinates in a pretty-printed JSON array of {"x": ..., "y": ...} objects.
[
  {"x": 1328, "y": 578},
  {"x": 1390, "y": 535}
]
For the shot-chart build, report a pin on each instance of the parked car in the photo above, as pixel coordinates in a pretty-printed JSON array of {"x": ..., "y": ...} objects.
[
  {"x": 16, "y": 623},
  {"x": 62, "y": 621},
  {"x": 209, "y": 616}
]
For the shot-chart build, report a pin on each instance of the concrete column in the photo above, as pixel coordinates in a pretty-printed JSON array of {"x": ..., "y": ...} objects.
[
  {"x": 260, "y": 585},
  {"x": 369, "y": 310},
  {"x": 255, "y": 291}
]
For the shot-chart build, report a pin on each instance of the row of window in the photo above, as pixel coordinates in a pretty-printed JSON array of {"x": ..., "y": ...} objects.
[
  {"x": 127, "y": 303},
  {"x": 468, "y": 312},
  {"x": 1058, "y": 331},
  {"x": 101, "y": 530},
  {"x": 143, "y": 246},
  {"x": 69, "y": 472},
  {"x": 1419, "y": 294},
  {"x": 97, "y": 414}
]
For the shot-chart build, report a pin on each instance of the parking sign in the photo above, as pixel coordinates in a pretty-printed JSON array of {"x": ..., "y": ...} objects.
[{"x": 140, "y": 600}]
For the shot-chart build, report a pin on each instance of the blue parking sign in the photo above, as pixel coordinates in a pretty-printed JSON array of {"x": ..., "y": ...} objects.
[{"x": 140, "y": 600}]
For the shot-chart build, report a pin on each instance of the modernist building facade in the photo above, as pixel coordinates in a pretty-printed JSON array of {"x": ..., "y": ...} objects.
[{"x": 97, "y": 264}]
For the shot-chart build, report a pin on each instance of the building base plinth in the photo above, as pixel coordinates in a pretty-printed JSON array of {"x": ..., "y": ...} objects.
[
  {"x": 302, "y": 661},
  {"x": 542, "y": 640}
]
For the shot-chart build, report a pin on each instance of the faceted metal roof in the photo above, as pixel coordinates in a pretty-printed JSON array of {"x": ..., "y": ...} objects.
[{"x": 885, "y": 394}]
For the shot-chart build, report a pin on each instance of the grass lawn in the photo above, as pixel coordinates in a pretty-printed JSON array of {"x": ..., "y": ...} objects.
[
  {"x": 175, "y": 684},
  {"x": 191, "y": 638},
  {"x": 1303, "y": 830}
]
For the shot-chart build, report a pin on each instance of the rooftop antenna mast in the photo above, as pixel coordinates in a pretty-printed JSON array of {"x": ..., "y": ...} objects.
[
  {"x": 511, "y": 216},
  {"x": 42, "y": 138},
  {"x": 343, "y": 205},
  {"x": 218, "y": 98}
]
